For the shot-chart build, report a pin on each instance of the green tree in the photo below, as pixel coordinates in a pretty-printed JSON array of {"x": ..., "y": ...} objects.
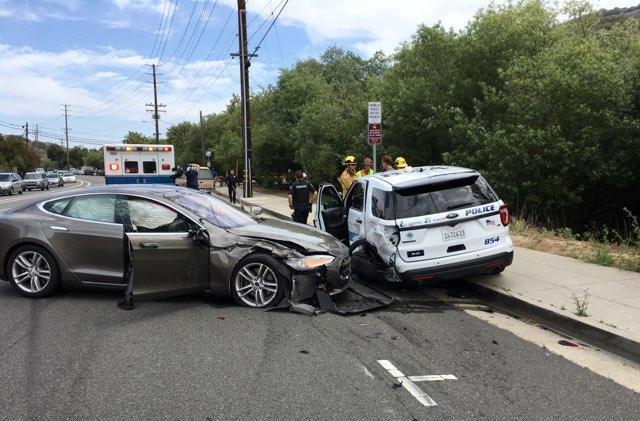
[
  {"x": 14, "y": 153},
  {"x": 133, "y": 138},
  {"x": 57, "y": 154},
  {"x": 94, "y": 158}
]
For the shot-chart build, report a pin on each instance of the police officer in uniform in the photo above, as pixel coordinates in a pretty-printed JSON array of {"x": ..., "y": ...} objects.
[
  {"x": 300, "y": 198},
  {"x": 192, "y": 176}
]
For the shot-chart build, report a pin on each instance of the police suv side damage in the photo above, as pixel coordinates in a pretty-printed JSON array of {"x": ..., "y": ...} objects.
[{"x": 418, "y": 225}]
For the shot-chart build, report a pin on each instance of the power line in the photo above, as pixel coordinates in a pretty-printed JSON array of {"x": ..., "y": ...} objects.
[
  {"x": 268, "y": 29},
  {"x": 162, "y": 19},
  {"x": 175, "y": 7},
  {"x": 198, "y": 41}
]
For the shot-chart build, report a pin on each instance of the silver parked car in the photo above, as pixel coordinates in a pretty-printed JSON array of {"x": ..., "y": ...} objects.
[
  {"x": 69, "y": 177},
  {"x": 10, "y": 183},
  {"x": 55, "y": 179},
  {"x": 36, "y": 180},
  {"x": 160, "y": 240}
]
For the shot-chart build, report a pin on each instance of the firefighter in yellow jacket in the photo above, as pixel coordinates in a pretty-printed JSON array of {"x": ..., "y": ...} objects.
[{"x": 348, "y": 175}]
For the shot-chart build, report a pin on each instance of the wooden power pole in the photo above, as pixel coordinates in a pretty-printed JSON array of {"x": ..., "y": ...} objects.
[
  {"x": 155, "y": 105},
  {"x": 244, "y": 96}
]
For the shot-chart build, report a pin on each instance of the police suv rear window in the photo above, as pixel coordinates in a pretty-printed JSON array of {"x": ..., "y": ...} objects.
[
  {"x": 449, "y": 196},
  {"x": 431, "y": 198}
]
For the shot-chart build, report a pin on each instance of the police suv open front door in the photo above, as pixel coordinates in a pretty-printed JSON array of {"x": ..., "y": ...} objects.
[{"x": 330, "y": 212}]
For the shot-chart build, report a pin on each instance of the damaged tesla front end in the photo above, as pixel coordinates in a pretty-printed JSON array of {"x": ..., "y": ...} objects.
[{"x": 265, "y": 262}]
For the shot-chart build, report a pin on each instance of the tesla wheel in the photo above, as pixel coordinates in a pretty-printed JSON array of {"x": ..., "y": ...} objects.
[
  {"x": 10, "y": 191},
  {"x": 20, "y": 191},
  {"x": 33, "y": 272},
  {"x": 257, "y": 282},
  {"x": 47, "y": 187}
]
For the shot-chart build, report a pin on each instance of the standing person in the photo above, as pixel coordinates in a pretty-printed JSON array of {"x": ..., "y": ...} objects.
[
  {"x": 348, "y": 175},
  {"x": 232, "y": 185},
  {"x": 300, "y": 198},
  {"x": 387, "y": 163},
  {"x": 367, "y": 170},
  {"x": 192, "y": 177}
]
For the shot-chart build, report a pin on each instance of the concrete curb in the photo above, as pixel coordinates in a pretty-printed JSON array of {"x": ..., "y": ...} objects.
[{"x": 608, "y": 341}]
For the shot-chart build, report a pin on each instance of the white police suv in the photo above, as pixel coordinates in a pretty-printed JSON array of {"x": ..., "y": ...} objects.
[{"x": 420, "y": 224}]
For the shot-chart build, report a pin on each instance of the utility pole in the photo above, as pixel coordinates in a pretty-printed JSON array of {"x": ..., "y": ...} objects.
[
  {"x": 155, "y": 105},
  {"x": 35, "y": 134},
  {"x": 244, "y": 95},
  {"x": 66, "y": 131},
  {"x": 202, "y": 137},
  {"x": 26, "y": 132}
]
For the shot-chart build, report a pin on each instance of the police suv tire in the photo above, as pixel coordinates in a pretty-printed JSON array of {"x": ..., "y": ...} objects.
[
  {"x": 54, "y": 281},
  {"x": 253, "y": 261}
]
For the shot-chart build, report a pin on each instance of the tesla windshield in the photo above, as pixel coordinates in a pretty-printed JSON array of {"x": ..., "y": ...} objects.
[
  {"x": 212, "y": 210},
  {"x": 5, "y": 177}
]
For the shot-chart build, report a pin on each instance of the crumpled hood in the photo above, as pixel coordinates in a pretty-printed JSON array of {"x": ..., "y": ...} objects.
[{"x": 305, "y": 236}]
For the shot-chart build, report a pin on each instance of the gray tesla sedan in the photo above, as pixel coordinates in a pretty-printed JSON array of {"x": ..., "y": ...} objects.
[{"x": 159, "y": 240}]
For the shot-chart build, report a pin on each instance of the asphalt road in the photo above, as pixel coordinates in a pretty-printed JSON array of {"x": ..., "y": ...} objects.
[{"x": 77, "y": 356}]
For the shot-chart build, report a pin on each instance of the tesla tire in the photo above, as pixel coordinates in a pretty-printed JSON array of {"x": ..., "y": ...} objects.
[
  {"x": 33, "y": 272},
  {"x": 20, "y": 191},
  {"x": 258, "y": 282},
  {"x": 10, "y": 191}
]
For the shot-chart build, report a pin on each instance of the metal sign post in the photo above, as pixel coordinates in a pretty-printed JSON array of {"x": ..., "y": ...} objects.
[{"x": 374, "y": 136}]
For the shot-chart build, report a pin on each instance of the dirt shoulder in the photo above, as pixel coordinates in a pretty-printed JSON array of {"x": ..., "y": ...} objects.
[{"x": 591, "y": 251}]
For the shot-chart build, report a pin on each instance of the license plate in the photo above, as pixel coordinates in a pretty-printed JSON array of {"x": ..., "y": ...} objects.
[{"x": 452, "y": 233}]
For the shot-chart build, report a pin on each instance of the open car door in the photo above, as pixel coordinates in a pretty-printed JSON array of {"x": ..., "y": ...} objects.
[
  {"x": 330, "y": 212},
  {"x": 168, "y": 264}
]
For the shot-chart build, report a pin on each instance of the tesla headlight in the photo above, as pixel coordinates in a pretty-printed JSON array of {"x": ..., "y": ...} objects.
[{"x": 309, "y": 262}]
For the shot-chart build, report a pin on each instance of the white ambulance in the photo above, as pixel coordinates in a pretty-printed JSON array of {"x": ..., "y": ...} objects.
[{"x": 139, "y": 164}]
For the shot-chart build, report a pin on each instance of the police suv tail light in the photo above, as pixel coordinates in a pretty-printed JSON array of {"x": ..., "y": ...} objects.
[
  {"x": 166, "y": 167},
  {"x": 504, "y": 215}
]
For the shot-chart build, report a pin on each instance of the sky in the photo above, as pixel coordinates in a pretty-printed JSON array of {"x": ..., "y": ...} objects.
[{"x": 96, "y": 55}]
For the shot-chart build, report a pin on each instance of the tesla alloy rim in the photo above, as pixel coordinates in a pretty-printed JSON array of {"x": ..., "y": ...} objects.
[
  {"x": 31, "y": 271},
  {"x": 256, "y": 284}
]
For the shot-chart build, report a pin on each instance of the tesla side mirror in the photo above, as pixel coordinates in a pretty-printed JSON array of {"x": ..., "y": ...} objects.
[
  {"x": 199, "y": 235},
  {"x": 256, "y": 210}
]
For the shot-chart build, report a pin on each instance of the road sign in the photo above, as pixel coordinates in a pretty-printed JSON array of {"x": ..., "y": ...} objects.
[
  {"x": 375, "y": 134},
  {"x": 375, "y": 113}
]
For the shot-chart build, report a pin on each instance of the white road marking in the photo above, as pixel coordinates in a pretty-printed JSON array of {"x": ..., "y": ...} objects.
[
  {"x": 432, "y": 378},
  {"x": 367, "y": 372},
  {"x": 408, "y": 382}
]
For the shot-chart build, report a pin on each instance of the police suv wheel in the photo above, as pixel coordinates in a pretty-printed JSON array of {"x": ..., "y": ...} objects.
[{"x": 257, "y": 281}]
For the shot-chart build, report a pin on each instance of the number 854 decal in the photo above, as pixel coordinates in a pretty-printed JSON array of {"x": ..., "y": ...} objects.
[{"x": 491, "y": 240}]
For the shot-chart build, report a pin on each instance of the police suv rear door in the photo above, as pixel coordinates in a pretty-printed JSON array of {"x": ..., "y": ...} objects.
[{"x": 453, "y": 215}]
